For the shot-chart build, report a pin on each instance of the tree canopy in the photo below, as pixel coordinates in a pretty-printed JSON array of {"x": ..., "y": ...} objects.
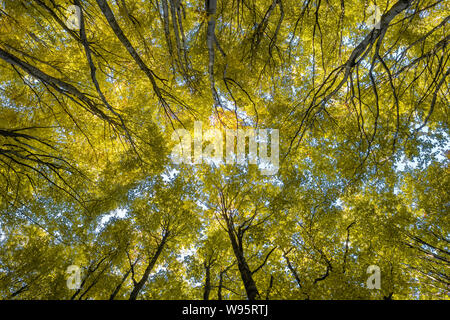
[{"x": 92, "y": 92}]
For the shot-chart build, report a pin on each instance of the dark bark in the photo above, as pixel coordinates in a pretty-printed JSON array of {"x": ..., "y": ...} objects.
[
  {"x": 90, "y": 271},
  {"x": 207, "y": 289},
  {"x": 140, "y": 284},
  {"x": 94, "y": 282},
  {"x": 22, "y": 289},
  {"x": 244, "y": 269},
  {"x": 269, "y": 288},
  {"x": 293, "y": 271},
  {"x": 117, "y": 289}
]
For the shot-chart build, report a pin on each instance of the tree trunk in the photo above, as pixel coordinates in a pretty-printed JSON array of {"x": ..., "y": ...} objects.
[
  {"x": 219, "y": 289},
  {"x": 116, "y": 291},
  {"x": 244, "y": 269},
  {"x": 139, "y": 285},
  {"x": 207, "y": 281}
]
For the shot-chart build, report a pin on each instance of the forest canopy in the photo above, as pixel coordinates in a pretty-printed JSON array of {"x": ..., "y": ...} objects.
[{"x": 339, "y": 189}]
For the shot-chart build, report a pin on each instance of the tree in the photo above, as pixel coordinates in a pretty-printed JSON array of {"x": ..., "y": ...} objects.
[{"x": 90, "y": 102}]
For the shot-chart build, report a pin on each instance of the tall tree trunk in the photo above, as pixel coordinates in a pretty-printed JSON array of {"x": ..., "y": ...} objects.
[
  {"x": 207, "y": 281},
  {"x": 117, "y": 289},
  {"x": 139, "y": 285},
  {"x": 244, "y": 269}
]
